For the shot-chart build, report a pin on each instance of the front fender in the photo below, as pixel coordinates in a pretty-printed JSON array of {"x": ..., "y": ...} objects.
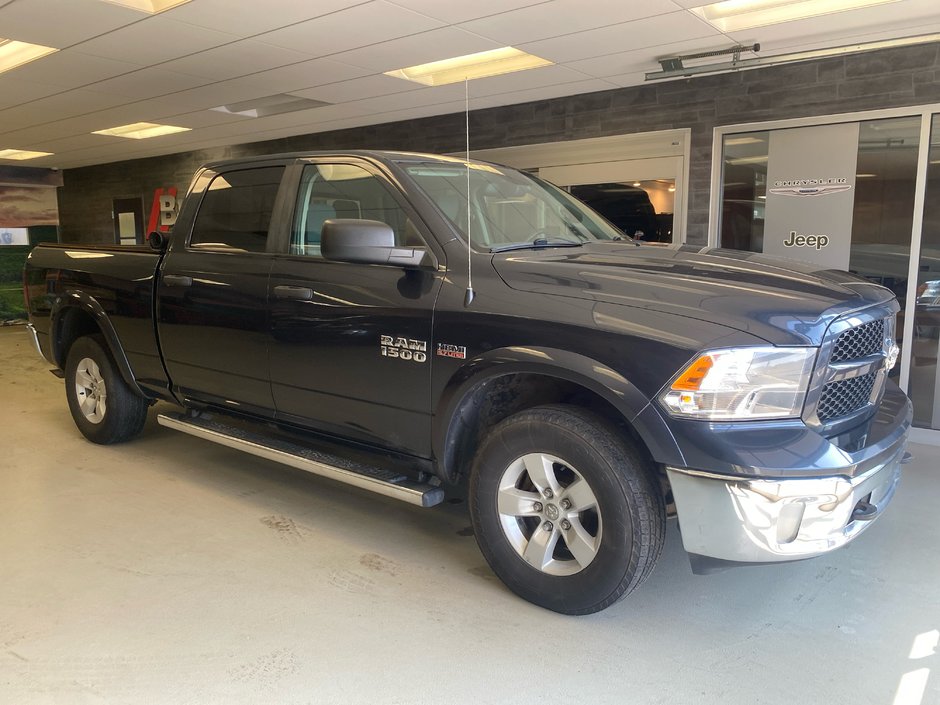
[{"x": 590, "y": 374}]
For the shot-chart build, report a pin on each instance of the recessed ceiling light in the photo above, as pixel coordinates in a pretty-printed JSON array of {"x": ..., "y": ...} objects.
[
  {"x": 748, "y": 160},
  {"x": 480, "y": 65},
  {"x": 22, "y": 154},
  {"x": 736, "y": 15},
  {"x": 14, "y": 53},
  {"x": 865, "y": 176},
  {"x": 141, "y": 130},
  {"x": 149, "y": 6}
]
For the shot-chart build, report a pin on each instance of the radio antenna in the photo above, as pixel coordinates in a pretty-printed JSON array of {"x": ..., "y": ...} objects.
[{"x": 468, "y": 296}]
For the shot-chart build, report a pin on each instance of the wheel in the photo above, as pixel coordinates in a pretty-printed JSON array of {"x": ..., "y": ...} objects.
[
  {"x": 105, "y": 409},
  {"x": 565, "y": 510}
]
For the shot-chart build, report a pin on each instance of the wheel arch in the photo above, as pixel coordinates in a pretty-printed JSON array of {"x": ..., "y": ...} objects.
[
  {"x": 76, "y": 314},
  {"x": 504, "y": 381}
]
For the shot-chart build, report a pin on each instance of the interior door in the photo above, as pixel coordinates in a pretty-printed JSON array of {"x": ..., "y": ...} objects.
[
  {"x": 213, "y": 294},
  {"x": 128, "y": 221},
  {"x": 351, "y": 343},
  {"x": 645, "y": 198}
]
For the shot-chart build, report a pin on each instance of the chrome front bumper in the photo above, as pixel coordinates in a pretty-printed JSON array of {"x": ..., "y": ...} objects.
[{"x": 758, "y": 521}]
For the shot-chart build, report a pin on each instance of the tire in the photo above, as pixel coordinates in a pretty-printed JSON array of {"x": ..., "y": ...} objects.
[
  {"x": 598, "y": 534},
  {"x": 105, "y": 409}
]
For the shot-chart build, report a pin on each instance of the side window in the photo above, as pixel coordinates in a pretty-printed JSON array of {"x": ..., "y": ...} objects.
[
  {"x": 335, "y": 191},
  {"x": 236, "y": 209}
]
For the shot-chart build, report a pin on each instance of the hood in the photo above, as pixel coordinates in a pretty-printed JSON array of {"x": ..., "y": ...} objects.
[{"x": 785, "y": 302}]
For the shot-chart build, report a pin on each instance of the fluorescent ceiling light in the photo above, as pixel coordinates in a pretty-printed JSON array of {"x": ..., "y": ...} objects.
[
  {"x": 141, "y": 130},
  {"x": 735, "y": 141},
  {"x": 865, "y": 176},
  {"x": 480, "y": 65},
  {"x": 20, "y": 154},
  {"x": 14, "y": 53},
  {"x": 270, "y": 105},
  {"x": 737, "y": 15},
  {"x": 151, "y": 7},
  {"x": 748, "y": 160}
]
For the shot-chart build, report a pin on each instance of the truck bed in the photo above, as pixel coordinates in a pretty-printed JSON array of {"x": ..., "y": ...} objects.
[{"x": 113, "y": 284}]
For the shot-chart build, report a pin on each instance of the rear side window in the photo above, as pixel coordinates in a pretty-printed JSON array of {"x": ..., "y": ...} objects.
[{"x": 236, "y": 210}]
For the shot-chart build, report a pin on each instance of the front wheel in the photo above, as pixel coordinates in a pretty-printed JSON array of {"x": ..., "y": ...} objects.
[
  {"x": 565, "y": 510},
  {"x": 105, "y": 409}
]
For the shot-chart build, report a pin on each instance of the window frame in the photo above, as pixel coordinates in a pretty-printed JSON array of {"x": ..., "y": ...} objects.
[
  {"x": 205, "y": 179},
  {"x": 291, "y": 187}
]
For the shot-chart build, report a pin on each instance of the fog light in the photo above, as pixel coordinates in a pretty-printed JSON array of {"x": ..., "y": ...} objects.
[{"x": 788, "y": 523}]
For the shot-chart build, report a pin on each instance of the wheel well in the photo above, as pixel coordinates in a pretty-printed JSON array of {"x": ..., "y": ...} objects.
[
  {"x": 72, "y": 325},
  {"x": 496, "y": 398}
]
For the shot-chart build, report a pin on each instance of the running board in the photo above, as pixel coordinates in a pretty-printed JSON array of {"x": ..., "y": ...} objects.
[{"x": 384, "y": 482}]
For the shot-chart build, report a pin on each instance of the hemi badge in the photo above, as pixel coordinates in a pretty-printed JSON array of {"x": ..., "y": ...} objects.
[{"x": 448, "y": 350}]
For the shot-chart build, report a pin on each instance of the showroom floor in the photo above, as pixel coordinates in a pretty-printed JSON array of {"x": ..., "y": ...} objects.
[{"x": 172, "y": 570}]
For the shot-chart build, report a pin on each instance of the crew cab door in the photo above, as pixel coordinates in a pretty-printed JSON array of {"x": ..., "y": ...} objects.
[
  {"x": 212, "y": 298},
  {"x": 351, "y": 346}
]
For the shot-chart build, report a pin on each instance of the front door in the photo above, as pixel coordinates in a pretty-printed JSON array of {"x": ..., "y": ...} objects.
[{"x": 351, "y": 343}]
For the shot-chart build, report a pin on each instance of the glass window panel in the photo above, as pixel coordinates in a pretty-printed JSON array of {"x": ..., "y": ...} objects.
[
  {"x": 744, "y": 190},
  {"x": 926, "y": 342},
  {"x": 236, "y": 210}
]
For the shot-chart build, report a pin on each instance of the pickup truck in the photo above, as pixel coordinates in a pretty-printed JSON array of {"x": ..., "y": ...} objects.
[{"x": 420, "y": 325}]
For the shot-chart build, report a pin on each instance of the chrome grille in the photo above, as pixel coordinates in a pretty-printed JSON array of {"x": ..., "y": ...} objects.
[
  {"x": 845, "y": 396},
  {"x": 861, "y": 341}
]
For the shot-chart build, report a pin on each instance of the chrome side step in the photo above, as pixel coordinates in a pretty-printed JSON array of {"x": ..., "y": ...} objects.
[{"x": 374, "y": 479}]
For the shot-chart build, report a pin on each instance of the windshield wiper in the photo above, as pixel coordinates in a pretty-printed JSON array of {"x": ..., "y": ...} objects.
[{"x": 537, "y": 244}]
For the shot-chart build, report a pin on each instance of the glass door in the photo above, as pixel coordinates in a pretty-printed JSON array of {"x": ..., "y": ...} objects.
[
  {"x": 924, "y": 387},
  {"x": 639, "y": 196}
]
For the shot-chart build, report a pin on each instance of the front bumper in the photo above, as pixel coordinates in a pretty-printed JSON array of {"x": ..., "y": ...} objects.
[{"x": 762, "y": 520}]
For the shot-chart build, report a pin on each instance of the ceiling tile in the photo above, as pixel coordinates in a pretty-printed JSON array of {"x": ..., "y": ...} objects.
[
  {"x": 246, "y": 19},
  {"x": 148, "y": 82},
  {"x": 71, "y": 69},
  {"x": 14, "y": 91},
  {"x": 641, "y": 59},
  {"x": 589, "y": 85},
  {"x": 154, "y": 40},
  {"x": 236, "y": 59},
  {"x": 57, "y": 107},
  {"x": 434, "y": 45},
  {"x": 374, "y": 22},
  {"x": 358, "y": 89},
  {"x": 638, "y": 34},
  {"x": 62, "y": 23},
  {"x": 554, "y": 19},
  {"x": 453, "y": 13}
]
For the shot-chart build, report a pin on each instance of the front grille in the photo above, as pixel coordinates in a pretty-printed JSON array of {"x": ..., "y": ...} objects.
[
  {"x": 845, "y": 396},
  {"x": 861, "y": 341}
]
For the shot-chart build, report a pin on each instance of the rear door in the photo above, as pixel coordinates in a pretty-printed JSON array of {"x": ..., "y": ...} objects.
[
  {"x": 351, "y": 343},
  {"x": 213, "y": 291}
]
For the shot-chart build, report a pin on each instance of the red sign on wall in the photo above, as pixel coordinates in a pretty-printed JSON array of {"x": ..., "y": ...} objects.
[{"x": 163, "y": 211}]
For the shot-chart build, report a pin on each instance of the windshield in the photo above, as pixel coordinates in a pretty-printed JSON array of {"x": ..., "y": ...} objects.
[{"x": 508, "y": 208}]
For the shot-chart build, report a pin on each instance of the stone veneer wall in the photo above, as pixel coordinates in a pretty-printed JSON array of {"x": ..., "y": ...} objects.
[{"x": 874, "y": 80}]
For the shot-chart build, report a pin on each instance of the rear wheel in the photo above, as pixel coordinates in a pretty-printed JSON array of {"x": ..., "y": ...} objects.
[
  {"x": 565, "y": 510},
  {"x": 105, "y": 409}
]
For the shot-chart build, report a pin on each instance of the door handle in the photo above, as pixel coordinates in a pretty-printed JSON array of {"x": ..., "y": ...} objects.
[
  {"x": 177, "y": 280},
  {"x": 297, "y": 293}
]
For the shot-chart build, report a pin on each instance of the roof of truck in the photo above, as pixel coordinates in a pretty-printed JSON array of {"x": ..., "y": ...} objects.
[{"x": 381, "y": 155}]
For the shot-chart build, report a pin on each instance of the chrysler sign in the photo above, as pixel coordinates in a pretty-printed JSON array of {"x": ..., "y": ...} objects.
[{"x": 810, "y": 187}]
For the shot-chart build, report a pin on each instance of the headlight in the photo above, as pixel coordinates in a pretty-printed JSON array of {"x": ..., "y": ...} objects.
[{"x": 740, "y": 384}]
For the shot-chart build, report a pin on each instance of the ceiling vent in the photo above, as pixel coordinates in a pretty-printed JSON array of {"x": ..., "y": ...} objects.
[{"x": 270, "y": 105}]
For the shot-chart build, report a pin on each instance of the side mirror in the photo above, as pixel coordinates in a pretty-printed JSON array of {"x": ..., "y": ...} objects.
[
  {"x": 157, "y": 241},
  {"x": 367, "y": 242}
]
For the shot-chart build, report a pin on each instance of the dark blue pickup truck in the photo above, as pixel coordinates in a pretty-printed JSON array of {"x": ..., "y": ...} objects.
[{"x": 410, "y": 324}]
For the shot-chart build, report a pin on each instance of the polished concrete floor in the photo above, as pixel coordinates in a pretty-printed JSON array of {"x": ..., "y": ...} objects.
[{"x": 172, "y": 570}]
